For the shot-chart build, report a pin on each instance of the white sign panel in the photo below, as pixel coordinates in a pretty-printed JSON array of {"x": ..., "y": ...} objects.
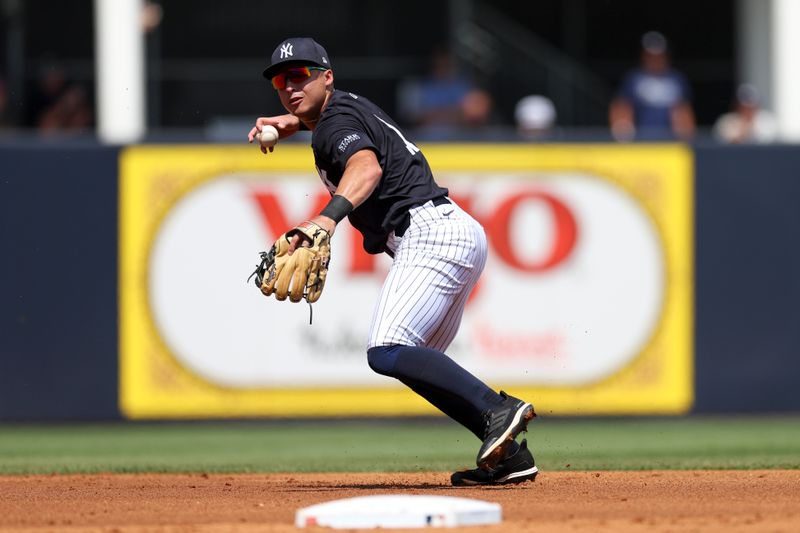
[{"x": 572, "y": 292}]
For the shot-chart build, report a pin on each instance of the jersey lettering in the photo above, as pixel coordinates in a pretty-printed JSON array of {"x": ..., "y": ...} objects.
[
  {"x": 347, "y": 140},
  {"x": 409, "y": 145}
]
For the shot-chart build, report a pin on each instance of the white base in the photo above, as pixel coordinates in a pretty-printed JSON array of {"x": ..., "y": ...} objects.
[{"x": 399, "y": 511}]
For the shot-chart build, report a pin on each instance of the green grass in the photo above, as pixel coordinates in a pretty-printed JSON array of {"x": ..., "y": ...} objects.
[{"x": 421, "y": 445}]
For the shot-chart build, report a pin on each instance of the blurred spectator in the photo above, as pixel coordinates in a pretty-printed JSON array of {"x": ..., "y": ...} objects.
[
  {"x": 747, "y": 122},
  {"x": 5, "y": 119},
  {"x": 535, "y": 116},
  {"x": 58, "y": 104},
  {"x": 476, "y": 109},
  {"x": 654, "y": 100},
  {"x": 152, "y": 15},
  {"x": 444, "y": 100}
]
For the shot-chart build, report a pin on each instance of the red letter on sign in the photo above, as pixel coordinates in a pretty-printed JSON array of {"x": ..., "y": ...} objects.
[
  {"x": 276, "y": 223},
  {"x": 273, "y": 214},
  {"x": 499, "y": 229}
]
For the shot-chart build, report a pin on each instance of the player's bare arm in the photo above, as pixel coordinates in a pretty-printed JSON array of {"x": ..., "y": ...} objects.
[{"x": 362, "y": 174}]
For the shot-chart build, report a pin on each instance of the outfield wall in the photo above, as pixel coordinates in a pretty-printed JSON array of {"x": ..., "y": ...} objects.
[
  {"x": 747, "y": 283},
  {"x": 58, "y": 283},
  {"x": 62, "y": 333}
]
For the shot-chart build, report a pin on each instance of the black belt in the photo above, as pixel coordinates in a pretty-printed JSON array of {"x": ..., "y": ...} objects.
[{"x": 403, "y": 225}]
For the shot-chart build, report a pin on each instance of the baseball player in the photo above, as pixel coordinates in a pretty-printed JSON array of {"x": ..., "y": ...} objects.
[{"x": 382, "y": 183}]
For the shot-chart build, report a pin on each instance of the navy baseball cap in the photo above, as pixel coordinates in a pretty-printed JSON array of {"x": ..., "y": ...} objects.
[{"x": 300, "y": 50}]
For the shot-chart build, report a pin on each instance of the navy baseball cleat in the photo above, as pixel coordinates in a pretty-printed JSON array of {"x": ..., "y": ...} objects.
[
  {"x": 518, "y": 468},
  {"x": 503, "y": 424}
]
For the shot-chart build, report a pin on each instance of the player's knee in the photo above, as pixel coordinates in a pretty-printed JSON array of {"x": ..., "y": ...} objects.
[{"x": 381, "y": 359}]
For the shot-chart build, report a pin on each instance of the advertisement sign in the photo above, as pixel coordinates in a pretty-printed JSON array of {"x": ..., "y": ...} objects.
[{"x": 585, "y": 305}]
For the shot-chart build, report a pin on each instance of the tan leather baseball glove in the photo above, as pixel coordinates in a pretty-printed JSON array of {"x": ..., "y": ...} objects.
[{"x": 300, "y": 275}]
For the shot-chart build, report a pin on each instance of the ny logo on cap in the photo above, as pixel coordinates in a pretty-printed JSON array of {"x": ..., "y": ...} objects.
[{"x": 286, "y": 50}]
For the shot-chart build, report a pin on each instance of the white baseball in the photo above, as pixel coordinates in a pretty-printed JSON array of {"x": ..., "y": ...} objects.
[{"x": 268, "y": 136}]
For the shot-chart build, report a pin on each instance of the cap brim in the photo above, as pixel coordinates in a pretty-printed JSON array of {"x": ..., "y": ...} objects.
[{"x": 272, "y": 70}]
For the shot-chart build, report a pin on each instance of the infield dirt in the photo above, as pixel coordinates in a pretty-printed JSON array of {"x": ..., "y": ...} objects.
[{"x": 652, "y": 501}]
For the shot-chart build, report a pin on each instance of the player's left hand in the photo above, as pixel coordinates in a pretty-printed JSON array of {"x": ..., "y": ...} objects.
[
  {"x": 299, "y": 239},
  {"x": 302, "y": 273}
]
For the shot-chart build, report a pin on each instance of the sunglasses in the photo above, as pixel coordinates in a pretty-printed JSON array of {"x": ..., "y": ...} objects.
[{"x": 294, "y": 75}]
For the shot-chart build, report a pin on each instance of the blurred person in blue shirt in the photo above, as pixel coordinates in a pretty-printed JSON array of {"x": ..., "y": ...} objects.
[
  {"x": 445, "y": 102},
  {"x": 654, "y": 100}
]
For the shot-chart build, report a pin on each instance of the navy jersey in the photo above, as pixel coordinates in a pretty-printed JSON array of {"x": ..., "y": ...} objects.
[
  {"x": 653, "y": 96},
  {"x": 350, "y": 123}
]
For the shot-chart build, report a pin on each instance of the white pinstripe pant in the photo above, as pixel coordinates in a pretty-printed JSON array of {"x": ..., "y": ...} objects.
[{"x": 436, "y": 264}]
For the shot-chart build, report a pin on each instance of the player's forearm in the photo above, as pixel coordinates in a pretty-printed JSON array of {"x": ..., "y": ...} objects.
[
  {"x": 361, "y": 176},
  {"x": 357, "y": 185}
]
